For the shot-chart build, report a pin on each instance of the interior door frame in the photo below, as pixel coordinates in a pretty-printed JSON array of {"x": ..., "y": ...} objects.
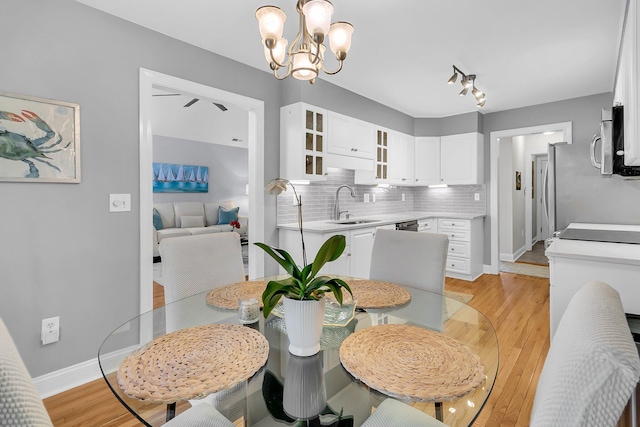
[
  {"x": 494, "y": 158},
  {"x": 255, "y": 109},
  {"x": 528, "y": 201}
]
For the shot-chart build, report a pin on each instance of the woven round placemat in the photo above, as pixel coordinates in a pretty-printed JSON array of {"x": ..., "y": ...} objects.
[
  {"x": 377, "y": 294},
  {"x": 413, "y": 363},
  {"x": 193, "y": 363},
  {"x": 228, "y": 296}
]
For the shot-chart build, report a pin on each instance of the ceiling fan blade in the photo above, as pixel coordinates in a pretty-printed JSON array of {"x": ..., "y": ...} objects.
[
  {"x": 220, "y": 106},
  {"x": 190, "y": 103}
]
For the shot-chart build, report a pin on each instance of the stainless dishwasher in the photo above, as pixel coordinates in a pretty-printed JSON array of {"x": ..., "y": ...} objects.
[{"x": 407, "y": 225}]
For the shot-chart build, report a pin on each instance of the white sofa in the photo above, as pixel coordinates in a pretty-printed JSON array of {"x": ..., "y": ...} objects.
[{"x": 205, "y": 213}]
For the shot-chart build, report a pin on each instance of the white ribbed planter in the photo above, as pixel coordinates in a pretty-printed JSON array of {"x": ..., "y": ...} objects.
[{"x": 304, "y": 320}]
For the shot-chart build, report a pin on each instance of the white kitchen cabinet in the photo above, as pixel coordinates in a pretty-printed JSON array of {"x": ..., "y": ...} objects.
[
  {"x": 462, "y": 159},
  {"x": 573, "y": 263},
  {"x": 627, "y": 90},
  {"x": 350, "y": 137},
  {"x": 379, "y": 174},
  {"x": 303, "y": 134},
  {"x": 465, "y": 253},
  {"x": 427, "y": 160},
  {"x": 401, "y": 150},
  {"x": 360, "y": 250}
]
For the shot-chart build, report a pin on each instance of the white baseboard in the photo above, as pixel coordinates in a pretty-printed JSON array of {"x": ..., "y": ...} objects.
[
  {"x": 514, "y": 256},
  {"x": 76, "y": 375}
]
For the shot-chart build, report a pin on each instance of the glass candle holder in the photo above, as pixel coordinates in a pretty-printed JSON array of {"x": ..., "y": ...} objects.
[{"x": 248, "y": 310}]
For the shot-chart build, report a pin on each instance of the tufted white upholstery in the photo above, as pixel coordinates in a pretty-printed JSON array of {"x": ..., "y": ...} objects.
[
  {"x": 20, "y": 403},
  {"x": 417, "y": 260},
  {"x": 393, "y": 413},
  {"x": 592, "y": 366},
  {"x": 203, "y": 415},
  {"x": 195, "y": 264}
]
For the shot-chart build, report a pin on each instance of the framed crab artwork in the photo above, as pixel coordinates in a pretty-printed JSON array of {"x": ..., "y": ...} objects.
[{"x": 39, "y": 139}]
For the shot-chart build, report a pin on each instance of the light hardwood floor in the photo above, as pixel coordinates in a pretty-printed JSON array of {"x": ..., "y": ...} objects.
[{"x": 517, "y": 305}]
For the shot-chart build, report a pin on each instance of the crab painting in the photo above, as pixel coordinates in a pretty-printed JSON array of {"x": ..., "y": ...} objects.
[{"x": 19, "y": 147}]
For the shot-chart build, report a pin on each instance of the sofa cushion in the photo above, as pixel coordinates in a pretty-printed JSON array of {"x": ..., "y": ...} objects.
[
  {"x": 205, "y": 230},
  {"x": 172, "y": 232},
  {"x": 157, "y": 220},
  {"x": 187, "y": 209},
  {"x": 187, "y": 221},
  {"x": 225, "y": 216},
  {"x": 211, "y": 210},
  {"x": 166, "y": 214}
]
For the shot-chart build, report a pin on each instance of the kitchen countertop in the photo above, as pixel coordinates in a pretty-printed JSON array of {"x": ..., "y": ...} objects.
[
  {"x": 617, "y": 253},
  {"x": 328, "y": 226}
]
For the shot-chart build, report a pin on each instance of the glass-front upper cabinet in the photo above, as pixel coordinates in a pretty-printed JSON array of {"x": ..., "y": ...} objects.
[
  {"x": 382, "y": 138},
  {"x": 303, "y": 142}
]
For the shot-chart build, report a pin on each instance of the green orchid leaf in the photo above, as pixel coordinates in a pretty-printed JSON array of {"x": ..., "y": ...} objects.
[
  {"x": 304, "y": 274},
  {"x": 330, "y": 251},
  {"x": 285, "y": 260}
]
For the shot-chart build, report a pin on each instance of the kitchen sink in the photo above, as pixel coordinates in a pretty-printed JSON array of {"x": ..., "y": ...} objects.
[{"x": 353, "y": 221}]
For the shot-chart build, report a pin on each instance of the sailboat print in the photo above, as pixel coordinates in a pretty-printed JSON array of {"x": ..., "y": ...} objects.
[
  {"x": 199, "y": 174},
  {"x": 205, "y": 177},
  {"x": 180, "y": 176},
  {"x": 161, "y": 177},
  {"x": 192, "y": 176},
  {"x": 170, "y": 175}
]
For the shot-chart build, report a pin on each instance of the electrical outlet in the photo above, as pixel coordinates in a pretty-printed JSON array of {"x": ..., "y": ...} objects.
[
  {"x": 373, "y": 197},
  {"x": 50, "y": 331},
  {"x": 403, "y": 197},
  {"x": 366, "y": 197},
  {"x": 476, "y": 197}
]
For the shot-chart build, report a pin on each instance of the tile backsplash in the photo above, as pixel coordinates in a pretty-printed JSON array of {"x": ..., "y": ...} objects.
[{"x": 318, "y": 199}]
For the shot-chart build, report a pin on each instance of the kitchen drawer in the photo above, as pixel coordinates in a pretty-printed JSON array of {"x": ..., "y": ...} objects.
[
  {"x": 458, "y": 265},
  {"x": 427, "y": 225},
  {"x": 455, "y": 224},
  {"x": 456, "y": 235},
  {"x": 460, "y": 249}
]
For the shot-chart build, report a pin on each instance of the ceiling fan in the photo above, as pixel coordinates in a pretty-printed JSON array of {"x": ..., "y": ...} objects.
[{"x": 193, "y": 101}]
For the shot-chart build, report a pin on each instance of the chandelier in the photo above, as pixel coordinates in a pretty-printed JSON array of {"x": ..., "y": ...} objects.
[
  {"x": 468, "y": 82},
  {"x": 304, "y": 58}
]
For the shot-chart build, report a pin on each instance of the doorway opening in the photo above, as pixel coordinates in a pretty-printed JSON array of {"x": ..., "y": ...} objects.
[
  {"x": 255, "y": 136},
  {"x": 497, "y": 208}
]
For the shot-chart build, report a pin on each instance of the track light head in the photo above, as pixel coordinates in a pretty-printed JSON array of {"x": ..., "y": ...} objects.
[{"x": 468, "y": 84}]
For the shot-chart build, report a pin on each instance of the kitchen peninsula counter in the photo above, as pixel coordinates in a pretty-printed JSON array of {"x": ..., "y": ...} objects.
[{"x": 330, "y": 226}]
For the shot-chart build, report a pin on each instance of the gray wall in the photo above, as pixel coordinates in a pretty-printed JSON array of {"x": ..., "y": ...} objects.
[
  {"x": 228, "y": 170},
  {"x": 62, "y": 253}
]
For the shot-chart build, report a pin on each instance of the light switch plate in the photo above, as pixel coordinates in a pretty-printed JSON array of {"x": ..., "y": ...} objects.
[
  {"x": 119, "y": 202},
  {"x": 366, "y": 197},
  {"x": 476, "y": 196}
]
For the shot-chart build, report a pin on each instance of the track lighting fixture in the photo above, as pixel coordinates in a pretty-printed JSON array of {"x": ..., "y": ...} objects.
[{"x": 468, "y": 83}]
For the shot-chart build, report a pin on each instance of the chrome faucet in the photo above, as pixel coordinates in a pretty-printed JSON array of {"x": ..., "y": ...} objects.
[{"x": 336, "y": 208}]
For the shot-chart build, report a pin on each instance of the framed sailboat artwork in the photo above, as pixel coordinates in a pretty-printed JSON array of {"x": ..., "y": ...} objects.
[{"x": 175, "y": 178}]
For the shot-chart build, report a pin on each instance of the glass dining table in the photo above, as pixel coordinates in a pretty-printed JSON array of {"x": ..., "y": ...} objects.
[{"x": 317, "y": 390}]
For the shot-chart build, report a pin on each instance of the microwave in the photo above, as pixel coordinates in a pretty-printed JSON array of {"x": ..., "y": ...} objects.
[{"x": 611, "y": 139}]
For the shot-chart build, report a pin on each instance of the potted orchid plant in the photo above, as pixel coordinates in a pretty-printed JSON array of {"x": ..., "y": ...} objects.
[{"x": 302, "y": 289}]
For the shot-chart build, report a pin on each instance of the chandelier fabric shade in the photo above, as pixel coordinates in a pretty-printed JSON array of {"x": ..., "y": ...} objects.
[
  {"x": 468, "y": 82},
  {"x": 304, "y": 57}
]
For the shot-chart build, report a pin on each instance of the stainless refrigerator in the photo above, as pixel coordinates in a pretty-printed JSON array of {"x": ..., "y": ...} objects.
[{"x": 577, "y": 192}]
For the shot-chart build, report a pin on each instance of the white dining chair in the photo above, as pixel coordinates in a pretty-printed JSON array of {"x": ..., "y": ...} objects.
[
  {"x": 592, "y": 366},
  {"x": 203, "y": 415},
  {"x": 20, "y": 402},
  {"x": 194, "y": 264},
  {"x": 417, "y": 260},
  {"x": 393, "y": 413}
]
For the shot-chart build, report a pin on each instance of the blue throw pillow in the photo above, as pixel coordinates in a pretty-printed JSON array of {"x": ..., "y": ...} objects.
[
  {"x": 226, "y": 216},
  {"x": 157, "y": 220}
]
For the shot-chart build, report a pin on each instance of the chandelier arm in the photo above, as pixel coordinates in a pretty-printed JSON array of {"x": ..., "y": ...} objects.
[
  {"x": 340, "y": 62},
  {"x": 315, "y": 58},
  {"x": 275, "y": 73}
]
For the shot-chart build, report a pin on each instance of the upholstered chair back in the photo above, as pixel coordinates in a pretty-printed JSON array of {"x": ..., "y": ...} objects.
[
  {"x": 592, "y": 366},
  {"x": 417, "y": 260},
  {"x": 194, "y": 264},
  {"x": 20, "y": 402}
]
